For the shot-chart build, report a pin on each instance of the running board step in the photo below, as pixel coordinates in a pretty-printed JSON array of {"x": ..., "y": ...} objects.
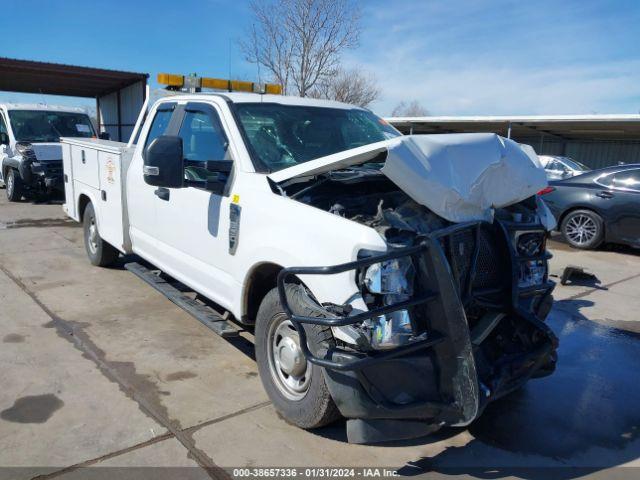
[{"x": 205, "y": 315}]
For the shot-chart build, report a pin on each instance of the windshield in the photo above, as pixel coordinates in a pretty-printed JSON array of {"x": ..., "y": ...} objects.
[
  {"x": 283, "y": 135},
  {"x": 575, "y": 165},
  {"x": 48, "y": 126}
]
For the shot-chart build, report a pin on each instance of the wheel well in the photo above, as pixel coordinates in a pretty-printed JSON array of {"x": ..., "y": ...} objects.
[
  {"x": 83, "y": 201},
  {"x": 260, "y": 281}
]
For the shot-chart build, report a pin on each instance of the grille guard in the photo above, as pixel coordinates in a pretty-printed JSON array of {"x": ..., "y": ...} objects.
[
  {"x": 429, "y": 245},
  {"x": 448, "y": 336}
]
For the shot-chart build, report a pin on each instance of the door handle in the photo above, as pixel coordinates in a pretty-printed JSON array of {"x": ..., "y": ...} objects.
[
  {"x": 162, "y": 193},
  {"x": 604, "y": 194}
]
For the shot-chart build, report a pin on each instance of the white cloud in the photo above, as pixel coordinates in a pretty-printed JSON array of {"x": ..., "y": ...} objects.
[
  {"x": 495, "y": 89},
  {"x": 470, "y": 57}
]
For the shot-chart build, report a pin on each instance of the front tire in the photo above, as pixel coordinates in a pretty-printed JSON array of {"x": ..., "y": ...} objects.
[
  {"x": 100, "y": 253},
  {"x": 297, "y": 388},
  {"x": 583, "y": 229},
  {"x": 15, "y": 187}
]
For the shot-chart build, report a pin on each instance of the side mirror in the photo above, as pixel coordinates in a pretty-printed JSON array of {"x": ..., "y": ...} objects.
[
  {"x": 4, "y": 138},
  {"x": 164, "y": 163},
  {"x": 104, "y": 136}
]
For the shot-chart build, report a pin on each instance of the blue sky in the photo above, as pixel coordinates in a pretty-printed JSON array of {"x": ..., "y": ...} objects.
[{"x": 454, "y": 57}]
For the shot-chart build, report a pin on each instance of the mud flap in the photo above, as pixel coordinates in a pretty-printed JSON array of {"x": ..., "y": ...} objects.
[{"x": 370, "y": 431}]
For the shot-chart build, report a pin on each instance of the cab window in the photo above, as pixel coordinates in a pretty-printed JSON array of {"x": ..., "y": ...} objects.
[
  {"x": 203, "y": 140},
  {"x": 202, "y": 137}
]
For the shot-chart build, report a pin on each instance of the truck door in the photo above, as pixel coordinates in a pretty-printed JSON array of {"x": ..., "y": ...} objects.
[
  {"x": 192, "y": 226},
  {"x": 142, "y": 208}
]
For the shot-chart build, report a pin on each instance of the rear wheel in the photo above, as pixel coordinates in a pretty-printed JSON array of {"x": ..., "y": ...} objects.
[
  {"x": 296, "y": 387},
  {"x": 100, "y": 253},
  {"x": 583, "y": 229},
  {"x": 15, "y": 188}
]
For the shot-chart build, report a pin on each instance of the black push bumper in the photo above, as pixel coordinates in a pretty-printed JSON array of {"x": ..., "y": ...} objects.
[{"x": 432, "y": 381}]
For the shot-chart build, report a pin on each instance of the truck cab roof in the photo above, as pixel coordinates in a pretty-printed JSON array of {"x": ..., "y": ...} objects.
[{"x": 242, "y": 97}]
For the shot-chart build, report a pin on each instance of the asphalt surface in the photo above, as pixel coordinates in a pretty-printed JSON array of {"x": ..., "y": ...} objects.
[{"x": 102, "y": 377}]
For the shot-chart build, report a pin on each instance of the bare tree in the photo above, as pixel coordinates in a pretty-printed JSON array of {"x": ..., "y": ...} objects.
[
  {"x": 348, "y": 86},
  {"x": 299, "y": 42},
  {"x": 411, "y": 109}
]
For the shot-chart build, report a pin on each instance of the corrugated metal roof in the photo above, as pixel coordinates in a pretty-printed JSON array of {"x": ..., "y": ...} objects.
[
  {"x": 614, "y": 117},
  {"x": 562, "y": 127},
  {"x": 58, "y": 79}
]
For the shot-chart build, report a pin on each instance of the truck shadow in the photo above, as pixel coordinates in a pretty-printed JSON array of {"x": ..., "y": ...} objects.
[{"x": 581, "y": 419}]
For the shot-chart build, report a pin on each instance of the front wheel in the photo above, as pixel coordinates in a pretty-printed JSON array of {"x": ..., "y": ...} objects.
[
  {"x": 100, "y": 253},
  {"x": 15, "y": 188},
  {"x": 583, "y": 229},
  {"x": 296, "y": 387}
]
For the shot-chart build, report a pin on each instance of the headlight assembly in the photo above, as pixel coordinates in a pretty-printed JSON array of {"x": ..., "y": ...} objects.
[
  {"x": 390, "y": 277},
  {"x": 530, "y": 244},
  {"x": 26, "y": 150},
  {"x": 389, "y": 283}
]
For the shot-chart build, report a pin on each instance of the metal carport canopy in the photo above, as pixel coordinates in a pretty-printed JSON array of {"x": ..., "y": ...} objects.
[
  {"x": 27, "y": 76},
  {"x": 566, "y": 127}
]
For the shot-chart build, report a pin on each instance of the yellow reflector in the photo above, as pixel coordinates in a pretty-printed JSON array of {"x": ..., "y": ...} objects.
[
  {"x": 216, "y": 83},
  {"x": 273, "y": 88},
  {"x": 171, "y": 79}
]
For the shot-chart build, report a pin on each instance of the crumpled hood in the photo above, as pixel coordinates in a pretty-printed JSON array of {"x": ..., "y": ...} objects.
[
  {"x": 463, "y": 177},
  {"x": 47, "y": 151},
  {"x": 460, "y": 177}
]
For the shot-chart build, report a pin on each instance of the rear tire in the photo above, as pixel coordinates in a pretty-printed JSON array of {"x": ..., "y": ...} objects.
[
  {"x": 583, "y": 229},
  {"x": 15, "y": 187},
  {"x": 100, "y": 253},
  {"x": 297, "y": 388}
]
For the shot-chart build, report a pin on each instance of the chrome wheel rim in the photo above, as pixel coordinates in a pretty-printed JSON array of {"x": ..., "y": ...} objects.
[
  {"x": 92, "y": 236},
  {"x": 290, "y": 370},
  {"x": 581, "y": 229}
]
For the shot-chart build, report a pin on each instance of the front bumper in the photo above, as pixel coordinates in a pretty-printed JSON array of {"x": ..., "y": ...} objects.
[
  {"x": 42, "y": 177},
  {"x": 441, "y": 379}
]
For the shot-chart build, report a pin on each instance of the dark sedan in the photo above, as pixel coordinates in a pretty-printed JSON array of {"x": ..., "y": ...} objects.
[{"x": 598, "y": 206}]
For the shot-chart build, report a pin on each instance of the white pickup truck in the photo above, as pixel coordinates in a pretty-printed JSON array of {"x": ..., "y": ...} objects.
[{"x": 400, "y": 282}]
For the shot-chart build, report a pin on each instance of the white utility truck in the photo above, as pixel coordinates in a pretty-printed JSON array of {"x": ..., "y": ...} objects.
[
  {"x": 30, "y": 155},
  {"x": 400, "y": 282}
]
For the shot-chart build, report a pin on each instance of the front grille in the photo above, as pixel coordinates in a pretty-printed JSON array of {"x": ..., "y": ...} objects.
[{"x": 490, "y": 269}]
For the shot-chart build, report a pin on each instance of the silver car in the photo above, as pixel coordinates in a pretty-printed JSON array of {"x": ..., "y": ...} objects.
[{"x": 559, "y": 168}]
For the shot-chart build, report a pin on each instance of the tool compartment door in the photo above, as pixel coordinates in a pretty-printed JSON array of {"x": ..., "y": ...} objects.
[
  {"x": 85, "y": 165},
  {"x": 110, "y": 201}
]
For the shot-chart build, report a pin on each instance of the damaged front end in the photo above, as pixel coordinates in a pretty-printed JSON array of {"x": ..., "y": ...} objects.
[{"x": 454, "y": 314}]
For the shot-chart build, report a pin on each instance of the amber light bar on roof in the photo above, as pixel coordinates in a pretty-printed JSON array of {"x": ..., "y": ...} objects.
[{"x": 179, "y": 81}]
